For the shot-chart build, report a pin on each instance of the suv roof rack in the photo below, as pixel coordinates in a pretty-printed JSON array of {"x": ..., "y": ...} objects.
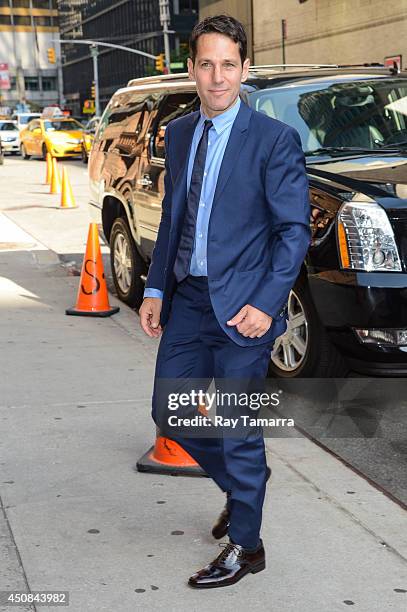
[
  {"x": 157, "y": 78},
  {"x": 160, "y": 78},
  {"x": 370, "y": 65},
  {"x": 262, "y": 66}
]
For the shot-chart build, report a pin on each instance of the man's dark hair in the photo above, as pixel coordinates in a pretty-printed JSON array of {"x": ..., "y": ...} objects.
[{"x": 221, "y": 24}]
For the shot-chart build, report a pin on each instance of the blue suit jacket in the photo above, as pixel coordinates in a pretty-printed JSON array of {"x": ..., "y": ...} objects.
[{"x": 258, "y": 231}]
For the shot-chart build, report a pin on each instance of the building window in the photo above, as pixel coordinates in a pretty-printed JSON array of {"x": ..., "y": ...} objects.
[
  {"x": 42, "y": 21},
  {"x": 5, "y": 3},
  {"x": 31, "y": 83},
  {"x": 21, "y": 3},
  {"x": 22, "y": 20},
  {"x": 5, "y": 20},
  {"x": 41, "y": 4},
  {"x": 188, "y": 6},
  {"x": 49, "y": 83}
]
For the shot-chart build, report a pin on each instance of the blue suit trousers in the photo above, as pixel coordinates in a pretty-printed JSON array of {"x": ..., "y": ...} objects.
[{"x": 193, "y": 345}]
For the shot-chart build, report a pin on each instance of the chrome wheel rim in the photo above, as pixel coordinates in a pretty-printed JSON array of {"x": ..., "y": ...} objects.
[
  {"x": 122, "y": 262},
  {"x": 290, "y": 349}
]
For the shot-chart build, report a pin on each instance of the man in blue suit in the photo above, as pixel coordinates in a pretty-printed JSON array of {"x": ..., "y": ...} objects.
[{"x": 234, "y": 232}]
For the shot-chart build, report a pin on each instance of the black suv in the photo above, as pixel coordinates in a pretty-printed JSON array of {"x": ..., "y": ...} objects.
[{"x": 348, "y": 309}]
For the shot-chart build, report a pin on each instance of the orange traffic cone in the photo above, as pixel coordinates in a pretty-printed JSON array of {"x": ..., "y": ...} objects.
[
  {"x": 49, "y": 169},
  {"x": 67, "y": 199},
  {"x": 92, "y": 299},
  {"x": 55, "y": 178},
  {"x": 168, "y": 457}
]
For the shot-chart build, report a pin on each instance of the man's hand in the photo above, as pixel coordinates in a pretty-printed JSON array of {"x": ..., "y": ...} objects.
[
  {"x": 149, "y": 312},
  {"x": 251, "y": 322}
]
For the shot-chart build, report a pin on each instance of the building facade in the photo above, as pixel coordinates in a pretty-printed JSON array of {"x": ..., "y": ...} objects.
[
  {"x": 329, "y": 31},
  {"x": 318, "y": 31},
  {"x": 27, "y": 31},
  {"x": 131, "y": 23}
]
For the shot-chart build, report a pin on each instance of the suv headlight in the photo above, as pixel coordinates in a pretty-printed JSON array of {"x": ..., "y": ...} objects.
[{"x": 366, "y": 239}]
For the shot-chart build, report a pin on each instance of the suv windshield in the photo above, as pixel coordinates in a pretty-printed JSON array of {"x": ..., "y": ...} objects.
[
  {"x": 362, "y": 113},
  {"x": 61, "y": 126}
]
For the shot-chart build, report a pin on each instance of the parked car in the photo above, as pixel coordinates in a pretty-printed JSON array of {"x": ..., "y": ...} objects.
[
  {"x": 23, "y": 119},
  {"x": 10, "y": 137},
  {"x": 88, "y": 137},
  {"x": 348, "y": 308},
  {"x": 61, "y": 137}
]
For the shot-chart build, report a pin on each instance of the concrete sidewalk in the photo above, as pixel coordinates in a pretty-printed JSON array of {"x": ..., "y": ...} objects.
[{"x": 76, "y": 516}]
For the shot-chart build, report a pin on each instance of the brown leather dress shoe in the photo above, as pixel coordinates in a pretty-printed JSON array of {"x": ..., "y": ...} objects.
[
  {"x": 229, "y": 567},
  {"x": 220, "y": 528}
]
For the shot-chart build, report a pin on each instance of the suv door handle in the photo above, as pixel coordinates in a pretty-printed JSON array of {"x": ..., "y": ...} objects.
[{"x": 145, "y": 181}]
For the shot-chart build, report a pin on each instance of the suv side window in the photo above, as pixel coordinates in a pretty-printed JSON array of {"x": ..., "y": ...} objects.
[
  {"x": 173, "y": 106},
  {"x": 121, "y": 127}
]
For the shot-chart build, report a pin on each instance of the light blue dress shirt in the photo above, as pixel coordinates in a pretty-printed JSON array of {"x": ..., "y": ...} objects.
[{"x": 218, "y": 137}]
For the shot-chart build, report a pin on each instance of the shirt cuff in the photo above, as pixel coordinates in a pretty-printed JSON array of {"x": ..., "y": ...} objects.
[{"x": 154, "y": 293}]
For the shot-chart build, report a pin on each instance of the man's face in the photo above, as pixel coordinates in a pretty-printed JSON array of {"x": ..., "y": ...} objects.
[{"x": 218, "y": 72}]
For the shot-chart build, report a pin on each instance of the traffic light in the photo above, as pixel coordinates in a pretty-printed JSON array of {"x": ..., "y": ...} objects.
[
  {"x": 160, "y": 62},
  {"x": 93, "y": 90},
  {"x": 51, "y": 55}
]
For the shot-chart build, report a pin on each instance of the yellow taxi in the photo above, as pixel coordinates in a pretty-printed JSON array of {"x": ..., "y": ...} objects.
[{"x": 60, "y": 136}]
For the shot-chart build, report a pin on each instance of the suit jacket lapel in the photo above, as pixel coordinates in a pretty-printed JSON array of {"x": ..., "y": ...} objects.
[
  {"x": 183, "y": 148},
  {"x": 237, "y": 138}
]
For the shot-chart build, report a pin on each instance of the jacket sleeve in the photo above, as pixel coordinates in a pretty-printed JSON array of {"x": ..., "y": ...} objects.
[
  {"x": 156, "y": 272},
  {"x": 287, "y": 195}
]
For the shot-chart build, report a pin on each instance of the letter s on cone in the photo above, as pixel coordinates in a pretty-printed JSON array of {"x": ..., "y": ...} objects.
[{"x": 92, "y": 299}]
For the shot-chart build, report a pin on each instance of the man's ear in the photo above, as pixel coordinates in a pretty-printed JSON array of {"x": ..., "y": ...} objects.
[
  {"x": 245, "y": 69},
  {"x": 190, "y": 66}
]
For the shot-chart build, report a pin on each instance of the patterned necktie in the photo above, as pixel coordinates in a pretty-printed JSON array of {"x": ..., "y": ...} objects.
[{"x": 186, "y": 244}]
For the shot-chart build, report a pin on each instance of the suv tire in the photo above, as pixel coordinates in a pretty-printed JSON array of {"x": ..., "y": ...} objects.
[
  {"x": 127, "y": 265},
  {"x": 305, "y": 344}
]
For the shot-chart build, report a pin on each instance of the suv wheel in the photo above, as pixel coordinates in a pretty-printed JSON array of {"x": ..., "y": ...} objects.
[
  {"x": 24, "y": 152},
  {"x": 305, "y": 349},
  {"x": 127, "y": 265}
]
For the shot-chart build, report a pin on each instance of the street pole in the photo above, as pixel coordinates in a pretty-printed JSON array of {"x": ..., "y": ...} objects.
[
  {"x": 283, "y": 37},
  {"x": 94, "y": 54},
  {"x": 165, "y": 22},
  {"x": 60, "y": 74}
]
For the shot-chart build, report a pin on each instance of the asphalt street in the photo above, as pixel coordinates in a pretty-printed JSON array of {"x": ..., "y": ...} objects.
[{"x": 75, "y": 414}]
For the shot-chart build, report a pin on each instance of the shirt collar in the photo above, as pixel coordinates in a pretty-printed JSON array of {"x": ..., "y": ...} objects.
[{"x": 222, "y": 121}]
